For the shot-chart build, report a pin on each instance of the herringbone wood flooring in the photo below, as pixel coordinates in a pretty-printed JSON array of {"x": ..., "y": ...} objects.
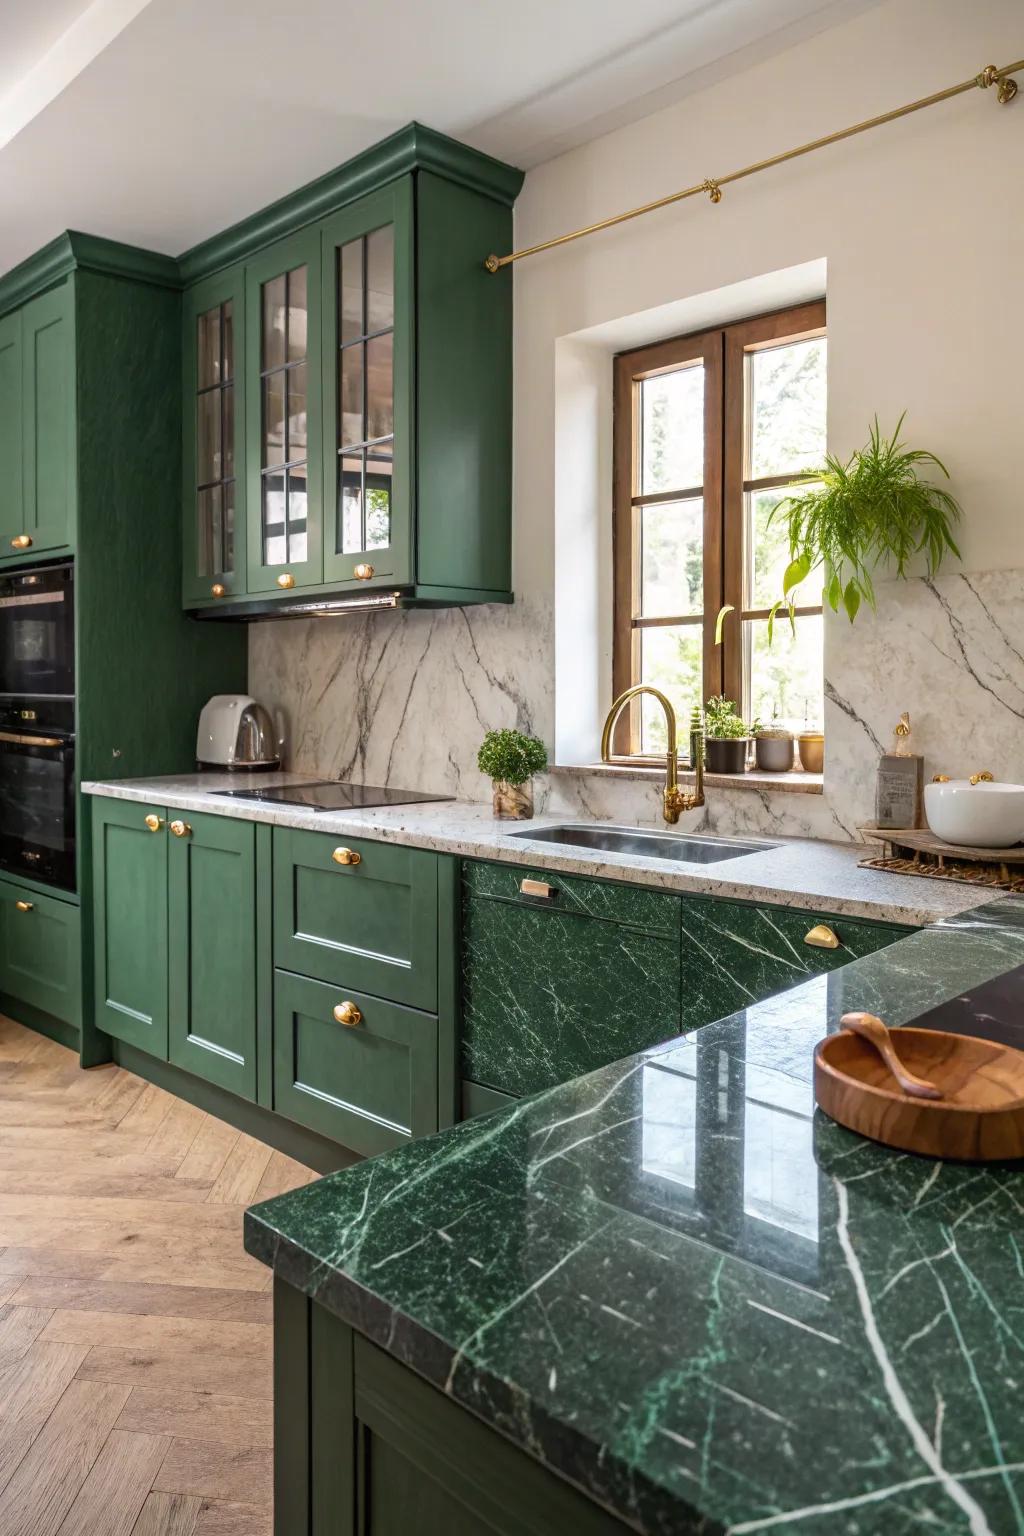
[{"x": 135, "y": 1340}]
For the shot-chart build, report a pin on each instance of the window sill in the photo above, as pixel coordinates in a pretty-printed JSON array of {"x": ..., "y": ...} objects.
[{"x": 796, "y": 782}]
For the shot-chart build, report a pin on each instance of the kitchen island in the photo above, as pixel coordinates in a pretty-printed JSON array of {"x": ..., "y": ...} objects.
[{"x": 673, "y": 1290}]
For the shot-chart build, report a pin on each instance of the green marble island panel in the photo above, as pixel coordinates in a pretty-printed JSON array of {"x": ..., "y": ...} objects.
[{"x": 679, "y": 1287}]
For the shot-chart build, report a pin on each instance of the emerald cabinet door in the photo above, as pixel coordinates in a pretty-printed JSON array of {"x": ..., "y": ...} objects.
[
  {"x": 213, "y": 392},
  {"x": 130, "y": 922},
  {"x": 48, "y": 420},
  {"x": 353, "y": 1067},
  {"x": 284, "y": 466},
  {"x": 40, "y": 960},
  {"x": 211, "y": 947},
  {"x": 11, "y": 484},
  {"x": 369, "y": 369}
]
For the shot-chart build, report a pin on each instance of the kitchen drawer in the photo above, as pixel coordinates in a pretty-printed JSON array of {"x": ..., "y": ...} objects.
[
  {"x": 370, "y": 923},
  {"x": 653, "y": 911},
  {"x": 371, "y": 1085},
  {"x": 735, "y": 955},
  {"x": 40, "y": 952},
  {"x": 549, "y": 993}
]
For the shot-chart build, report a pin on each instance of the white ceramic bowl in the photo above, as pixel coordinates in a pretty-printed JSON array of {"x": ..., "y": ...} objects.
[{"x": 976, "y": 815}]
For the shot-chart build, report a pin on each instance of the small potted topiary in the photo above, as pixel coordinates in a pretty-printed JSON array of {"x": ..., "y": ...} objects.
[
  {"x": 726, "y": 735},
  {"x": 510, "y": 760}
]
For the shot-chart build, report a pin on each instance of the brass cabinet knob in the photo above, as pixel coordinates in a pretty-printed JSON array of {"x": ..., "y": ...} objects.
[
  {"x": 822, "y": 937},
  {"x": 346, "y": 856},
  {"x": 286, "y": 581},
  {"x": 22, "y": 541},
  {"x": 218, "y": 589},
  {"x": 154, "y": 823},
  {"x": 24, "y": 906},
  {"x": 363, "y": 572},
  {"x": 181, "y": 828},
  {"x": 347, "y": 1013}
]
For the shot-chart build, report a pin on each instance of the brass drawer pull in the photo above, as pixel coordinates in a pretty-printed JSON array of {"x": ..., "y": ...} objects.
[
  {"x": 181, "y": 829},
  {"x": 286, "y": 581},
  {"x": 24, "y": 906},
  {"x": 822, "y": 937},
  {"x": 347, "y": 1013},
  {"x": 22, "y": 541},
  {"x": 537, "y": 888},
  {"x": 154, "y": 823},
  {"x": 347, "y": 856},
  {"x": 363, "y": 572}
]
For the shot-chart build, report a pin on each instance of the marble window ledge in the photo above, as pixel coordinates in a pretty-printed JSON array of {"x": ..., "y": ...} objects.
[{"x": 795, "y": 782}]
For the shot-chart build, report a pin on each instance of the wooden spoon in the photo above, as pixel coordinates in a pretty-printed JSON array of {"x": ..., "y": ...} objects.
[{"x": 875, "y": 1033}]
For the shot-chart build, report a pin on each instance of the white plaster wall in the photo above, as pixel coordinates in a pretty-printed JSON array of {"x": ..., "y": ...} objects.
[{"x": 921, "y": 226}]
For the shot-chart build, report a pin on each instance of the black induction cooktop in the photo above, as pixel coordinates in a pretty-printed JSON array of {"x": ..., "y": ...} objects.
[{"x": 329, "y": 795}]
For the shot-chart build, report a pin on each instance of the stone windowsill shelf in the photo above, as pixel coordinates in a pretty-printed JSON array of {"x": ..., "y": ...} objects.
[{"x": 794, "y": 783}]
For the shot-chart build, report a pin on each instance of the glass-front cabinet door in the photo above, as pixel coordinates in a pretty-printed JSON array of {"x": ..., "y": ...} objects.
[
  {"x": 284, "y": 416},
  {"x": 214, "y": 379},
  {"x": 368, "y": 373}
]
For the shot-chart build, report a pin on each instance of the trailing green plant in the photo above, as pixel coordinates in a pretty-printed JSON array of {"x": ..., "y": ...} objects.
[
  {"x": 511, "y": 757},
  {"x": 873, "y": 510},
  {"x": 721, "y": 722}
]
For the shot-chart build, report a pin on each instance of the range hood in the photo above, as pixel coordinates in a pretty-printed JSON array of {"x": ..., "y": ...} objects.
[{"x": 330, "y": 606}]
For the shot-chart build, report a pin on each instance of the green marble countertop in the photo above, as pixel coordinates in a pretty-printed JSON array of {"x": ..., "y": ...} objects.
[{"x": 696, "y": 1298}]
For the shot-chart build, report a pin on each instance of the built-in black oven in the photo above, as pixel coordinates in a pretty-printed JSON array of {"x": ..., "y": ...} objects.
[{"x": 37, "y": 723}]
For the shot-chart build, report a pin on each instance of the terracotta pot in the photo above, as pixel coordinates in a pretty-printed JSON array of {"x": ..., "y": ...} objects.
[
  {"x": 726, "y": 754},
  {"x": 513, "y": 802},
  {"x": 812, "y": 751},
  {"x": 774, "y": 754}
]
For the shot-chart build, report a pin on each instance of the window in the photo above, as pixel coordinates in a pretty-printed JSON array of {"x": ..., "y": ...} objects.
[{"x": 711, "y": 431}]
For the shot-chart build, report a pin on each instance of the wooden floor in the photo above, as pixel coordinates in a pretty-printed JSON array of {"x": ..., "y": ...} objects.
[{"x": 135, "y": 1347}]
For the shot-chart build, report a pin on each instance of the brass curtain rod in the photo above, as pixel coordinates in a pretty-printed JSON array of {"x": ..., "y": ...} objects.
[{"x": 713, "y": 185}]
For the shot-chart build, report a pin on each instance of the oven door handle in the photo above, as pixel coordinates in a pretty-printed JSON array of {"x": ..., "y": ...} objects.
[{"x": 21, "y": 740}]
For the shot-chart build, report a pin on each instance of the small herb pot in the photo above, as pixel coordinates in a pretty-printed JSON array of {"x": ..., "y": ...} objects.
[
  {"x": 726, "y": 754},
  {"x": 512, "y": 802},
  {"x": 812, "y": 751},
  {"x": 774, "y": 754}
]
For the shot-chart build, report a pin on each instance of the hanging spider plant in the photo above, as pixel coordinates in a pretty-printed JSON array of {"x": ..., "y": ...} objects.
[{"x": 873, "y": 510}]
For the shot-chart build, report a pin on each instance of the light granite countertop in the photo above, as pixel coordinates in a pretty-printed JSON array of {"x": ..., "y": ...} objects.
[{"x": 790, "y": 872}]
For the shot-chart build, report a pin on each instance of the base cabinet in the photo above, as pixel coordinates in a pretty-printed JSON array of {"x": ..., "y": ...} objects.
[
  {"x": 130, "y": 922},
  {"x": 365, "y": 1447},
  {"x": 40, "y": 952}
]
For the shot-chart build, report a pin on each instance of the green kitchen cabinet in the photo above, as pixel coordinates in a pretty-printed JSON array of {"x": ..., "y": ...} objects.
[
  {"x": 37, "y": 425},
  {"x": 40, "y": 952},
  {"x": 213, "y": 433},
  {"x": 211, "y": 949},
  {"x": 130, "y": 922},
  {"x": 376, "y": 445},
  {"x": 357, "y": 913},
  {"x": 355, "y": 1068}
]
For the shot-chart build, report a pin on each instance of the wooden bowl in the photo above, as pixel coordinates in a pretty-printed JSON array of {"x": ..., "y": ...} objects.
[{"x": 980, "y": 1117}]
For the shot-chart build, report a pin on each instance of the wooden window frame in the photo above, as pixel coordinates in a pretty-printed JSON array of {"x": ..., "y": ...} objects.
[{"x": 725, "y": 352}]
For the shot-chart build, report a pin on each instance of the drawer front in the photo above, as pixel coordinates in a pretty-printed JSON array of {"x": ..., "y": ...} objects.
[
  {"x": 370, "y": 1085},
  {"x": 735, "y": 955},
  {"x": 40, "y": 952},
  {"x": 371, "y": 923},
  {"x": 550, "y": 994},
  {"x": 653, "y": 911}
]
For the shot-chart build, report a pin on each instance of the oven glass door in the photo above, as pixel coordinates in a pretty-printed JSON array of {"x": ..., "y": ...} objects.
[
  {"x": 37, "y": 629},
  {"x": 37, "y": 806}
]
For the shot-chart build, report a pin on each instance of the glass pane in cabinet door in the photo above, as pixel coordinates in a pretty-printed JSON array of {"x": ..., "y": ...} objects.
[
  {"x": 208, "y": 458},
  {"x": 298, "y": 314},
  {"x": 274, "y": 313},
  {"x": 350, "y": 292},
  {"x": 350, "y": 497},
  {"x": 214, "y": 441},
  {"x": 351, "y": 395},
  {"x": 227, "y": 430},
  {"x": 297, "y": 430},
  {"x": 273, "y": 420},
  {"x": 380, "y": 280},
  {"x": 228, "y": 523},
  {"x": 380, "y": 394},
  {"x": 227, "y": 366},
  {"x": 297, "y": 541},
  {"x": 275, "y": 546},
  {"x": 378, "y": 501},
  {"x": 207, "y": 529},
  {"x": 208, "y": 349}
]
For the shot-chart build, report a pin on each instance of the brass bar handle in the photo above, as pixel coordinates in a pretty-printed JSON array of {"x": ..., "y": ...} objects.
[
  {"x": 181, "y": 829},
  {"x": 22, "y": 541},
  {"x": 539, "y": 888},
  {"x": 347, "y": 856},
  {"x": 25, "y": 906},
  {"x": 154, "y": 823},
  {"x": 347, "y": 1013},
  {"x": 822, "y": 936},
  {"x": 20, "y": 739}
]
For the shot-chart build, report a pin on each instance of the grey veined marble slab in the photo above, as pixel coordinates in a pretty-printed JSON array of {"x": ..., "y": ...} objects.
[
  {"x": 799, "y": 872},
  {"x": 714, "y": 1310}
]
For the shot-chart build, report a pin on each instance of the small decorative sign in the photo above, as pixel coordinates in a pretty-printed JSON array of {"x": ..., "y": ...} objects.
[{"x": 900, "y": 794}]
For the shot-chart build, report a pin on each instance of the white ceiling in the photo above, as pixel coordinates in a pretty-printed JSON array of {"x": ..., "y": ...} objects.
[{"x": 160, "y": 122}]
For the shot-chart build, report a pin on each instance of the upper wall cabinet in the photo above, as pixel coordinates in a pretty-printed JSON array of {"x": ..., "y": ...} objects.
[
  {"x": 37, "y": 428},
  {"x": 348, "y": 409}
]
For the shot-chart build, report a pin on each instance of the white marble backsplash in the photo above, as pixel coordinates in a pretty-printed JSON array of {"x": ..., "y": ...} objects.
[{"x": 405, "y": 698}]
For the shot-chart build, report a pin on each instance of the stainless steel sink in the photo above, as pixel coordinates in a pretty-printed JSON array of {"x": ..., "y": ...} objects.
[{"x": 675, "y": 846}]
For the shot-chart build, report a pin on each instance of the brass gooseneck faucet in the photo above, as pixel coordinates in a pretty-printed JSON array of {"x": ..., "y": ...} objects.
[{"x": 674, "y": 799}]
